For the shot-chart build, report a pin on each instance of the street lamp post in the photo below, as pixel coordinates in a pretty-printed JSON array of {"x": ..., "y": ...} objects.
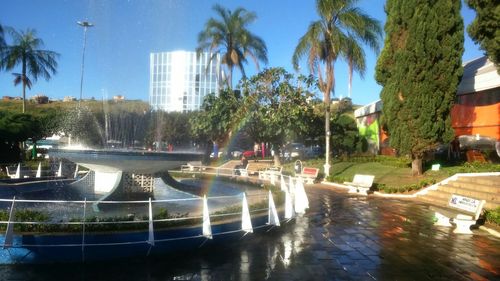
[{"x": 85, "y": 25}]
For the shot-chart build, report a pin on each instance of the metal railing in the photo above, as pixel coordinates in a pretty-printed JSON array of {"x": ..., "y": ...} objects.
[{"x": 83, "y": 219}]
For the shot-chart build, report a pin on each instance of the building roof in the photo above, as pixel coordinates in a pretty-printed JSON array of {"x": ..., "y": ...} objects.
[
  {"x": 368, "y": 109},
  {"x": 479, "y": 74}
]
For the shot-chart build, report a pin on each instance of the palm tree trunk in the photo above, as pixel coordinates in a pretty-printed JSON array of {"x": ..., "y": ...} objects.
[
  {"x": 327, "y": 134},
  {"x": 24, "y": 81},
  {"x": 231, "y": 78},
  {"x": 350, "y": 77},
  {"x": 24, "y": 96},
  {"x": 330, "y": 80}
]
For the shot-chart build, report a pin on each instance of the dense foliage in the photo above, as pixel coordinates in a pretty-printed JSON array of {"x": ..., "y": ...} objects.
[
  {"x": 485, "y": 29},
  {"x": 217, "y": 119},
  {"x": 129, "y": 124},
  {"x": 277, "y": 107},
  {"x": 169, "y": 128},
  {"x": 345, "y": 135},
  {"x": 419, "y": 69}
]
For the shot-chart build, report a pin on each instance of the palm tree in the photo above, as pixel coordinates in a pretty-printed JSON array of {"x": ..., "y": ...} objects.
[
  {"x": 229, "y": 37},
  {"x": 2, "y": 38},
  {"x": 342, "y": 26},
  {"x": 35, "y": 62}
]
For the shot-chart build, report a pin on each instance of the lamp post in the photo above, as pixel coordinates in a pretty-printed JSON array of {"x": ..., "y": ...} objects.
[{"x": 85, "y": 25}]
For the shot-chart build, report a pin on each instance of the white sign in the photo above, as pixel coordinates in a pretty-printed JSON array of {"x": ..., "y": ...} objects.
[{"x": 464, "y": 203}]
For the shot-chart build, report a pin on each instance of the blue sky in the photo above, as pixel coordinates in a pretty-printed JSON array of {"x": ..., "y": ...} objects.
[{"x": 125, "y": 32}]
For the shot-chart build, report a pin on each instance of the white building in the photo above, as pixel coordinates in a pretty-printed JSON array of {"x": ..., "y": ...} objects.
[{"x": 179, "y": 81}]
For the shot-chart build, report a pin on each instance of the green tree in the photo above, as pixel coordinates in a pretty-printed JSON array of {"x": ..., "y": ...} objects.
[
  {"x": 485, "y": 29},
  {"x": 14, "y": 129},
  {"x": 345, "y": 134},
  {"x": 230, "y": 38},
  {"x": 218, "y": 117},
  {"x": 34, "y": 61},
  {"x": 276, "y": 107},
  {"x": 419, "y": 69},
  {"x": 341, "y": 26},
  {"x": 170, "y": 127}
]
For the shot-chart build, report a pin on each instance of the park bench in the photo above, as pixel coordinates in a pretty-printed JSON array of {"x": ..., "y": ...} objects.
[
  {"x": 269, "y": 173},
  {"x": 462, "y": 211},
  {"x": 191, "y": 166},
  {"x": 309, "y": 174},
  {"x": 360, "y": 183},
  {"x": 241, "y": 171}
]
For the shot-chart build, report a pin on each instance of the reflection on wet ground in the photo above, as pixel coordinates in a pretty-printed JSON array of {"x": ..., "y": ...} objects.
[{"x": 342, "y": 237}]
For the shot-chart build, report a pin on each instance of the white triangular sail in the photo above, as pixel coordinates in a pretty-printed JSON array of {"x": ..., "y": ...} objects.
[
  {"x": 59, "y": 171},
  {"x": 18, "y": 172},
  {"x": 207, "y": 228},
  {"x": 151, "y": 236},
  {"x": 289, "y": 212},
  {"x": 301, "y": 201},
  {"x": 272, "y": 218},
  {"x": 39, "y": 170},
  {"x": 291, "y": 186},
  {"x": 283, "y": 184},
  {"x": 246, "y": 222}
]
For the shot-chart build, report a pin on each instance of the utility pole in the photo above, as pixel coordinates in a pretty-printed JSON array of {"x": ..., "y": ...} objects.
[{"x": 85, "y": 25}]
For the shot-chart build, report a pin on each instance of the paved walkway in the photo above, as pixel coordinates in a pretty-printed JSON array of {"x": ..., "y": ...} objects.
[{"x": 342, "y": 237}]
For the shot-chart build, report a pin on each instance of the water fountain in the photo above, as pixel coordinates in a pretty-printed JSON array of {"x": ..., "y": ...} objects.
[
  {"x": 117, "y": 170},
  {"x": 109, "y": 228}
]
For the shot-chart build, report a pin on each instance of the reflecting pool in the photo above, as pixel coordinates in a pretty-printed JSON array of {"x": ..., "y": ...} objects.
[{"x": 342, "y": 237}]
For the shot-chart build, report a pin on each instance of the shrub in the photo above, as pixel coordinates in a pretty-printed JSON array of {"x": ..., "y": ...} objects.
[
  {"x": 493, "y": 216},
  {"x": 405, "y": 188}
]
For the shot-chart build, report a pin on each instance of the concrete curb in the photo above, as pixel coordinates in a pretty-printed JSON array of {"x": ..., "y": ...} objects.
[{"x": 490, "y": 231}]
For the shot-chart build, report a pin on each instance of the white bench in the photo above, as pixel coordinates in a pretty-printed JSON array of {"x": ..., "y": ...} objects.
[
  {"x": 309, "y": 174},
  {"x": 241, "y": 171},
  {"x": 192, "y": 166},
  {"x": 462, "y": 211},
  {"x": 270, "y": 174},
  {"x": 360, "y": 184}
]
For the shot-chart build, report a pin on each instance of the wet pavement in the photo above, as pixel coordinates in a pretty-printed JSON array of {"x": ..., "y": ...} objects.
[{"x": 342, "y": 237}]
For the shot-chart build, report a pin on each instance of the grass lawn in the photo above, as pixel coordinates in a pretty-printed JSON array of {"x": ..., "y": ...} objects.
[{"x": 390, "y": 175}]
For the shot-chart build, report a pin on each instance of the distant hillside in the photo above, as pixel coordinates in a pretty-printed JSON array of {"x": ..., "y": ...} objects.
[{"x": 94, "y": 106}]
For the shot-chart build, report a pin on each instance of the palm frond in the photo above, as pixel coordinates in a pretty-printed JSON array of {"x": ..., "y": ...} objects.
[
  {"x": 229, "y": 35},
  {"x": 20, "y": 78}
]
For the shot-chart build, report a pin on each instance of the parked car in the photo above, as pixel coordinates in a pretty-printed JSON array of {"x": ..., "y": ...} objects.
[
  {"x": 249, "y": 153},
  {"x": 296, "y": 150},
  {"x": 314, "y": 151},
  {"x": 219, "y": 154},
  {"x": 236, "y": 153}
]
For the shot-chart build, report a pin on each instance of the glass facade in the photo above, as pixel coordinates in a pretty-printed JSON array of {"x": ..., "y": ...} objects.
[{"x": 179, "y": 81}]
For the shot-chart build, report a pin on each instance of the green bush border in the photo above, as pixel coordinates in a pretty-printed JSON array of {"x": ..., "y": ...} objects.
[{"x": 493, "y": 216}]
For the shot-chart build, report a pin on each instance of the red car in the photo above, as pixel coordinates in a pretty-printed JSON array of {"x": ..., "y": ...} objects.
[{"x": 248, "y": 153}]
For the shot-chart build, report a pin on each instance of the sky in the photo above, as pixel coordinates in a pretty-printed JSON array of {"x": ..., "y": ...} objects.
[{"x": 126, "y": 32}]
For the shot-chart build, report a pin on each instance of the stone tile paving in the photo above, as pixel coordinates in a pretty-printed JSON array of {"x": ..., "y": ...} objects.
[{"x": 342, "y": 237}]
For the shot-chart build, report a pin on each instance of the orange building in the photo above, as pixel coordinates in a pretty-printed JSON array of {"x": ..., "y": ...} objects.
[{"x": 476, "y": 113}]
